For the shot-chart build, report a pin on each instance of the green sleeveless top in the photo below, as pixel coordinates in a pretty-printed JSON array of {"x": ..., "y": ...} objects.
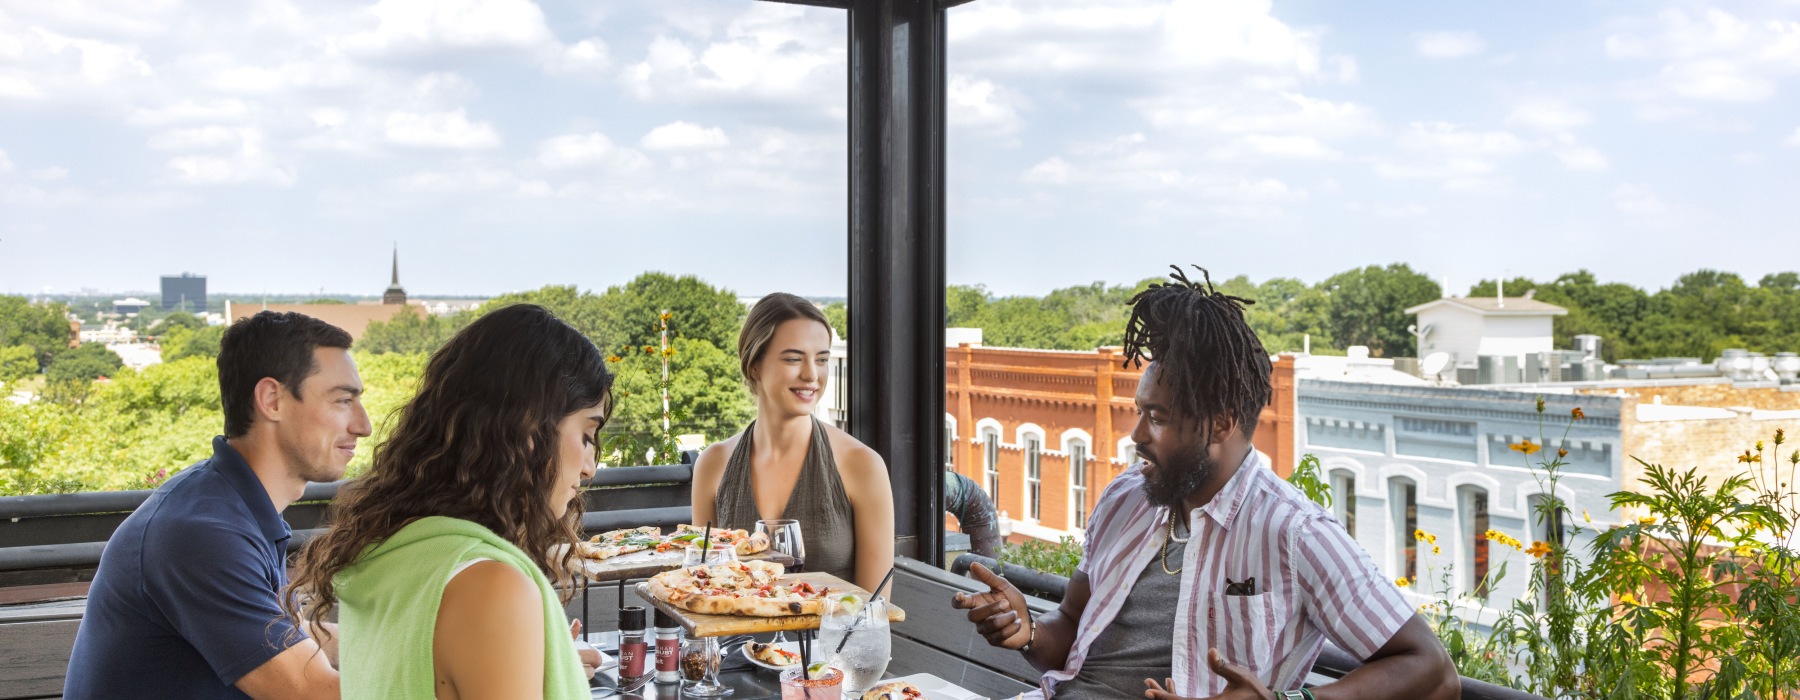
[{"x": 388, "y": 607}]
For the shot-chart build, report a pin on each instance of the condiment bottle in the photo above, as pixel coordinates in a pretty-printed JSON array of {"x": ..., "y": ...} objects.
[
  {"x": 668, "y": 649},
  {"x": 631, "y": 644}
]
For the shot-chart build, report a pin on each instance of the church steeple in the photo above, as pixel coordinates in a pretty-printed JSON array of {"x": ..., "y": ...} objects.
[{"x": 395, "y": 294}]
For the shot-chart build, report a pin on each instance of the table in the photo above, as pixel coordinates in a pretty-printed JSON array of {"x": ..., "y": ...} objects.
[
  {"x": 747, "y": 684},
  {"x": 698, "y": 625}
]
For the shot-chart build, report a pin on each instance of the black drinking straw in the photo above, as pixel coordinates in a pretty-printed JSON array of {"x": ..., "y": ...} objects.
[
  {"x": 706, "y": 543},
  {"x": 585, "y": 618},
  {"x": 872, "y": 596},
  {"x": 806, "y": 655},
  {"x": 621, "y": 601}
]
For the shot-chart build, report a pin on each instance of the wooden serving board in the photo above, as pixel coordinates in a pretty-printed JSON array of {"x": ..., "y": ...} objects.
[
  {"x": 650, "y": 563},
  {"x": 699, "y": 625}
]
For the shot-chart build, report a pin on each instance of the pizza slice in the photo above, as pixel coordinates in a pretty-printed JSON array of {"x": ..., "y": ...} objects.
[
  {"x": 773, "y": 655},
  {"x": 607, "y": 545},
  {"x": 897, "y": 690},
  {"x": 745, "y": 542}
]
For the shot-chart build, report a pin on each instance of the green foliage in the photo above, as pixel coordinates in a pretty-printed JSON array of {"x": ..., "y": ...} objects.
[
  {"x": 1072, "y": 318},
  {"x": 1059, "y": 558},
  {"x": 413, "y": 333},
  {"x": 179, "y": 319},
  {"x": 42, "y": 327},
  {"x": 389, "y": 381},
  {"x": 182, "y": 342},
  {"x": 1309, "y": 478},
  {"x": 839, "y": 316},
  {"x": 1367, "y": 307},
  {"x": 86, "y": 363},
  {"x": 17, "y": 362}
]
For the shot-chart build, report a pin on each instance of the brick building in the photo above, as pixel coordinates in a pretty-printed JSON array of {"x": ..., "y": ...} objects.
[{"x": 1017, "y": 420}]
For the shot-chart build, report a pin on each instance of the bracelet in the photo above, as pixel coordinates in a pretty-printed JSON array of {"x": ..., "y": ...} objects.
[
  {"x": 1301, "y": 694},
  {"x": 1032, "y": 621}
]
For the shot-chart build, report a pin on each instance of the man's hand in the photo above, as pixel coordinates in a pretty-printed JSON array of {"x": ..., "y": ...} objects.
[
  {"x": 1239, "y": 684},
  {"x": 997, "y": 613}
]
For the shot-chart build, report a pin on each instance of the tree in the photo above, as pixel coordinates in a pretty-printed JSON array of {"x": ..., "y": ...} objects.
[
  {"x": 181, "y": 342},
  {"x": 839, "y": 316},
  {"x": 86, "y": 363},
  {"x": 414, "y": 333},
  {"x": 1367, "y": 307},
  {"x": 17, "y": 362},
  {"x": 179, "y": 319},
  {"x": 42, "y": 327}
]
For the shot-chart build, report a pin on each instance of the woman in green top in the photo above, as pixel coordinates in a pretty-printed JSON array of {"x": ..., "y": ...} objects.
[{"x": 439, "y": 560}]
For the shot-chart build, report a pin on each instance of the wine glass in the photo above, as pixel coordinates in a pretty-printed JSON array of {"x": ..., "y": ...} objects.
[
  {"x": 708, "y": 654},
  {"x": 784, "y": 538}
]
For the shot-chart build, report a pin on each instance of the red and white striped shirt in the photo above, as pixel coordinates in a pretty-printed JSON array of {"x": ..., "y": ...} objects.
[{"x": 1313, "y": 582}]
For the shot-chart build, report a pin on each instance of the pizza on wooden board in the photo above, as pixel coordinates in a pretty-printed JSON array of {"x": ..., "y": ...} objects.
[
  {"x": 745, "y": 542},
  {"x": 607, "y": 545},
  {"x": 752, "y": 588}
]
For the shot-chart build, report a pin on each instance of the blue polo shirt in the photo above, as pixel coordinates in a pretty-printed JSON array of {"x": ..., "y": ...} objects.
[{"x": 185, "y": 601}]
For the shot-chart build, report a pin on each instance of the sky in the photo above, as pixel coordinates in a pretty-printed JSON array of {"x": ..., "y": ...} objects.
[{"x": 502, "y": 145}]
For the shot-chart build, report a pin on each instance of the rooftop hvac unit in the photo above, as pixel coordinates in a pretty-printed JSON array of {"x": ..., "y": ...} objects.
[
  {"x": 1588, "y": 345},
  {"x": 1787, "y": 367}
]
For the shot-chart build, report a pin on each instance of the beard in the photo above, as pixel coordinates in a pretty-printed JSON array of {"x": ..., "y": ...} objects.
[{"x": 1171, "y": 482}]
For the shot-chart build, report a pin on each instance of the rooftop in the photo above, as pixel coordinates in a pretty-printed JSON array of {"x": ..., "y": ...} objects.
[{"x": 1491, "y": 306}]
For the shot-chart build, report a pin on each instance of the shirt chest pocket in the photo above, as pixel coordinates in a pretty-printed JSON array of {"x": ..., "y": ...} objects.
[{"x": 1247, "y": 626}]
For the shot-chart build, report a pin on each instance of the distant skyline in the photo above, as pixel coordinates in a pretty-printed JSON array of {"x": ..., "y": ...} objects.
[{"x": 504, "y": 145}]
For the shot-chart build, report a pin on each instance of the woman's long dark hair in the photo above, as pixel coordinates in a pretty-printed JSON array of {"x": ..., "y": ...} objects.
[{"x": 478, "y": 442}]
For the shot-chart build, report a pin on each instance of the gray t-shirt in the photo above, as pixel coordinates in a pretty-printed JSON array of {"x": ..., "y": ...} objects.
[{"x": 1139, "y": 643}]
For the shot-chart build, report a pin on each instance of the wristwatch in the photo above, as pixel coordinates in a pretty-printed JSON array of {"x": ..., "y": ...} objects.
[{"x": 1301, "y": 694}]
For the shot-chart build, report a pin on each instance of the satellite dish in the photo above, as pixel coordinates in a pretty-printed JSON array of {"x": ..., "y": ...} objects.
[{"x": 1434, "y": 364}]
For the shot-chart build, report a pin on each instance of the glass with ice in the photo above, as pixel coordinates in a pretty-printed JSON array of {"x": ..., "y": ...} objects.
[{"x": 864, "y": 657}]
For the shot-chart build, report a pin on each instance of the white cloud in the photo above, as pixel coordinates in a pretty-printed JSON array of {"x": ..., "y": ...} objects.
[
  {"x": 427, "y": 25},
  {"x": 1462, "y": 160},
  {"x": 1638, "y": 201},
  {"x": 977, "y": 103},
  {"x": 251, "y": 163},
  {"x": 190, "y": 111},
  {"x": 1448, "y": 44},
  {"x": 1054, "y": 171},
  {"x": 1304, "y": 147},
  {"x": 196, "y": 138},
  {"x": 1794, "y": 139},
  {"x": 451, "y": 130},
  {"x": 467, "y": 179},
  {"x": 769, "y": 53},
  {"x": 684, "y": 136},
  {"x": 6, "y": 164},
  {"x": 38, "y": 63},
  {"x": 1548, "y": 115},
  {"x": 50, "y": 173},
  {"x": 1580, "y": 157},
  {"x": 1710, "y": 55}
]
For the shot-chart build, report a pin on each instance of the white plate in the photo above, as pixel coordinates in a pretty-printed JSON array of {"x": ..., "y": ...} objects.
[
  {"x": 936, "y": 688},
  {"x": 789, "y": 646}
]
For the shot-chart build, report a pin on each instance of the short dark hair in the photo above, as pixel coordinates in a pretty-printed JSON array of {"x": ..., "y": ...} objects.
[
  {"x": 275, "y": 345},
  {"x": 1203, "y": 349}
]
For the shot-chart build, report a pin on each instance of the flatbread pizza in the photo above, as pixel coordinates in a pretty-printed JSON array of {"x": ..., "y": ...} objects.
[{"x": 752, "y": 588}]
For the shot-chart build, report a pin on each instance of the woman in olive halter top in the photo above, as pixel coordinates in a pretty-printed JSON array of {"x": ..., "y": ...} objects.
[{"x": 788, "y": 464}]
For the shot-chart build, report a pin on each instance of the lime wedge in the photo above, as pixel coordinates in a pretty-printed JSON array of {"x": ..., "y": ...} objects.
[
  {"x": 816, "y": 669},
  {"x": 850, "y": 603}
]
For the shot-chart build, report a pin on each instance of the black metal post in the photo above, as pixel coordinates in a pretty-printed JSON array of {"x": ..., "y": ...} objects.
[{"x": 897, "y": 256}]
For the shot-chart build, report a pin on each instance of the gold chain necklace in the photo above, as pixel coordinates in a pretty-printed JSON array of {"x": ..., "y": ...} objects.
[{"x": 1165, "y": 547}]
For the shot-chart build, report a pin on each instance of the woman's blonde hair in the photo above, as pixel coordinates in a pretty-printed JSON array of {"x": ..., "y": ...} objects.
[{"x": 759, "y": 328}]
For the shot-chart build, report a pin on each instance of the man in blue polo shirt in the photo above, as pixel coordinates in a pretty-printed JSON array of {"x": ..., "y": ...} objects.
[{"x": 186, "y": 600}]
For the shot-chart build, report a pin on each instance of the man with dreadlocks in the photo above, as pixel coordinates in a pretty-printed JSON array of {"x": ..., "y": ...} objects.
[{"x": 1258, "y": 578}]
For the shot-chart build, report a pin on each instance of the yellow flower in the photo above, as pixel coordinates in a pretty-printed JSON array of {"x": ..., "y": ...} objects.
[
  {"x": 1628, "y": 599},
  {"x": 666, "y": 315},
  {"x": 1425, "y": 608},
  {"x": 668, "y": 352},
  {"x": 1744, "y": 550},
  {"x": 1435, "y": 550},
  {"x": 1584, "y": 516},
  {"x": 1758, "y": 445},
  {"x": 1538, "y": 549},
  {"x": 1647, "y": 520},
  {"x": 1576, "y": 413},
  {"x": 613, "y": 358},
  {"x": 1527, "y": 447},
  {"x": 1424, "y": 536},
  {"x": 1561, "y": 453},
  {"x": 1402, "y": 582}
]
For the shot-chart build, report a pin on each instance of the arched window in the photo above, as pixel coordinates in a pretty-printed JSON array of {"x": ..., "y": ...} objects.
[
  {"x": 1343, "y": 498},
  {"x": 1472, "y": 517},
  {"x": 1034, "y": 476},
  {"x": 990, "y": 451},
  {"x": 1078, "y": 483},
  {"x": 949, "y": 444},
  {"x": 1403, "y": 512}
]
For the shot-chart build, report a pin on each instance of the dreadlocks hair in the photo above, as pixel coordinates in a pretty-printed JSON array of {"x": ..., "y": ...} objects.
[{"x": 1202, "y": 348}]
